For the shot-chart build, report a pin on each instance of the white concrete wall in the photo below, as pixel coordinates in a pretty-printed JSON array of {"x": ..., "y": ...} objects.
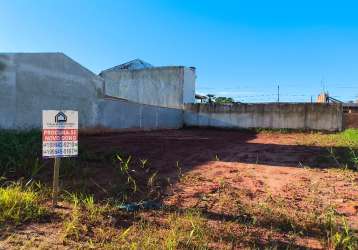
[
  {"x": 7, "y": 91},
  {"x": 159, "y": 86},
  {"x": 32, "y": 82},
  {"x": 276, "y": 116},
  {"x": 126, "y": 114},
  {"x": 189, "y": 85}
]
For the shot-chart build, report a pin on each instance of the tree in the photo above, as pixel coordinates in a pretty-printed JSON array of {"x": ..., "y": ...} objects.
[
  {"x": 224, "y": 100},
  {"x": 211, "y": 98},
  {"x": 219, "y": 100}
]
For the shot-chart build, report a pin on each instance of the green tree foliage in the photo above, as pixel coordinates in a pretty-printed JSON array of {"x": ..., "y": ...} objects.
[{"x": 224, "y": 100}]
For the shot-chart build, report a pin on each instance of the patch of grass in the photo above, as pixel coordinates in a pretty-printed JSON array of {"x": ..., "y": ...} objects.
[
  {"x": 349, "y": 137},
  {"x": 73, "y": 226},
  {"x": 20, "y": 154},
  {"x": 85, "y": 216},
  {"x": 278, "y": 130},
  {"x": 102, "y": 226},
  {"x": 346, "y": 138},
  {"x": 21, "y": 157},
  {"x": 186, "y": 230},
  {"x": 18, "y": 205},
  {"x": 342, "y": 148}
]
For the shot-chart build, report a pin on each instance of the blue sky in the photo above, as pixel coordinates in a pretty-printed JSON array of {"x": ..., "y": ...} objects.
[{"x": 242, "y": 49}]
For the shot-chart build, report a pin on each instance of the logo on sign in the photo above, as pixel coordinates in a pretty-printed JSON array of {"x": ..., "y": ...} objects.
[{"x": 60, "y": 117}]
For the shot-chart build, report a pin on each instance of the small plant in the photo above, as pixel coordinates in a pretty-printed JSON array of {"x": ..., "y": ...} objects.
[
  {"x": 124, "y": 164},
  {"x": 345, "y": 238},
  {"x": 179, "y": 171},
  {"x": 72, "y": 226},
  {"x": 125, "y": 170},
  {"x": 90, "y": 206},
  {"x": 152, "y": 179},
  {"x": 143, "y": 163},
  {"x": 339, "y": 236},
  {"x": 217, "y": 157}
]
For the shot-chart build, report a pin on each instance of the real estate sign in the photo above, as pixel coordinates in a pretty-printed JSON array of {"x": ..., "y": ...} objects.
[{"x": 59, "y": 133}]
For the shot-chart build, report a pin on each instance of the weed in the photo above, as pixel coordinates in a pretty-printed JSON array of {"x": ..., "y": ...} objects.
[
  {"x": 179, "y": 171},
  {"x": 125, "y": 170},
  {"x": 339, "y": 234},
  {"x": 72, "y": 226},
  {"x": 143, "y": 163},
  {"x": 124, "y": 164},
  {"x": 217, "y": 157},
  {"x": 344, "y": 238}
]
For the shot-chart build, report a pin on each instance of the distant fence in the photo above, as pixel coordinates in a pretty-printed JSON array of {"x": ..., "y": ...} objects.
[{"x": 310, "y": 116}]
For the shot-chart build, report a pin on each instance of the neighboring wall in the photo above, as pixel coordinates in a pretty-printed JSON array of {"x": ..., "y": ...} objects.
[
  {"x": 125, "y": 114},
  {"x": 286, "y": 116},
  {"x": 189, "y": 85},
  {"x": 32, "y": 82},
  {"x": 350, "y": 120},
  {"x": 158, "y": 86}
]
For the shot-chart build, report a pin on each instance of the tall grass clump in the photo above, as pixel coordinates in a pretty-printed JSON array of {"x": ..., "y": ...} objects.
[
  {"x": 349, "y": 137},
  {"x": 18, "y": 204},
  {"x": 342, "y": 147},
  {"x": 20, "y": 154},
  {"x": 347, "y": 155}
]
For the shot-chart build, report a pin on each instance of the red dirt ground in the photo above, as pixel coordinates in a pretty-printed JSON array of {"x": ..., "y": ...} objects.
[
  {"x": 263, "y": 164},
  {"x": 260, "y": 165}
]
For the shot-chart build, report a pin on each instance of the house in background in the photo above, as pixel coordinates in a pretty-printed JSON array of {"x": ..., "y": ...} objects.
[{"x": 141, "y": 82}]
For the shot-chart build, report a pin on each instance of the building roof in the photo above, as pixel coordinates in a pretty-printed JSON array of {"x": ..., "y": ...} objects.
[
  {"x": 131, "y": 65},
  {"x": 350, "y": 105},
  {"x": 201, "y": 97}
]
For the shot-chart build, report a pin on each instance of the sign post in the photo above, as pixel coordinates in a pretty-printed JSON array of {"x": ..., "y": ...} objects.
[
  {"x": 56, "y": 177},
  {"x": 59, "y": 139}
]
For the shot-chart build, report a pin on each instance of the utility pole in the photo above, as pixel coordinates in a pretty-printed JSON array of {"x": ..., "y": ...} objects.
[{"x": 278, "y": 93}]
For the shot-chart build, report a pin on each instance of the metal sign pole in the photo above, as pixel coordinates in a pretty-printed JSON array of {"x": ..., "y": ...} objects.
[{"x": 55, "y": 187}]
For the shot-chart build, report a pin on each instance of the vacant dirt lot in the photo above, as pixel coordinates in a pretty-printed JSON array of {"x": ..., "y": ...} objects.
[{"x": 256, "y": 189}]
